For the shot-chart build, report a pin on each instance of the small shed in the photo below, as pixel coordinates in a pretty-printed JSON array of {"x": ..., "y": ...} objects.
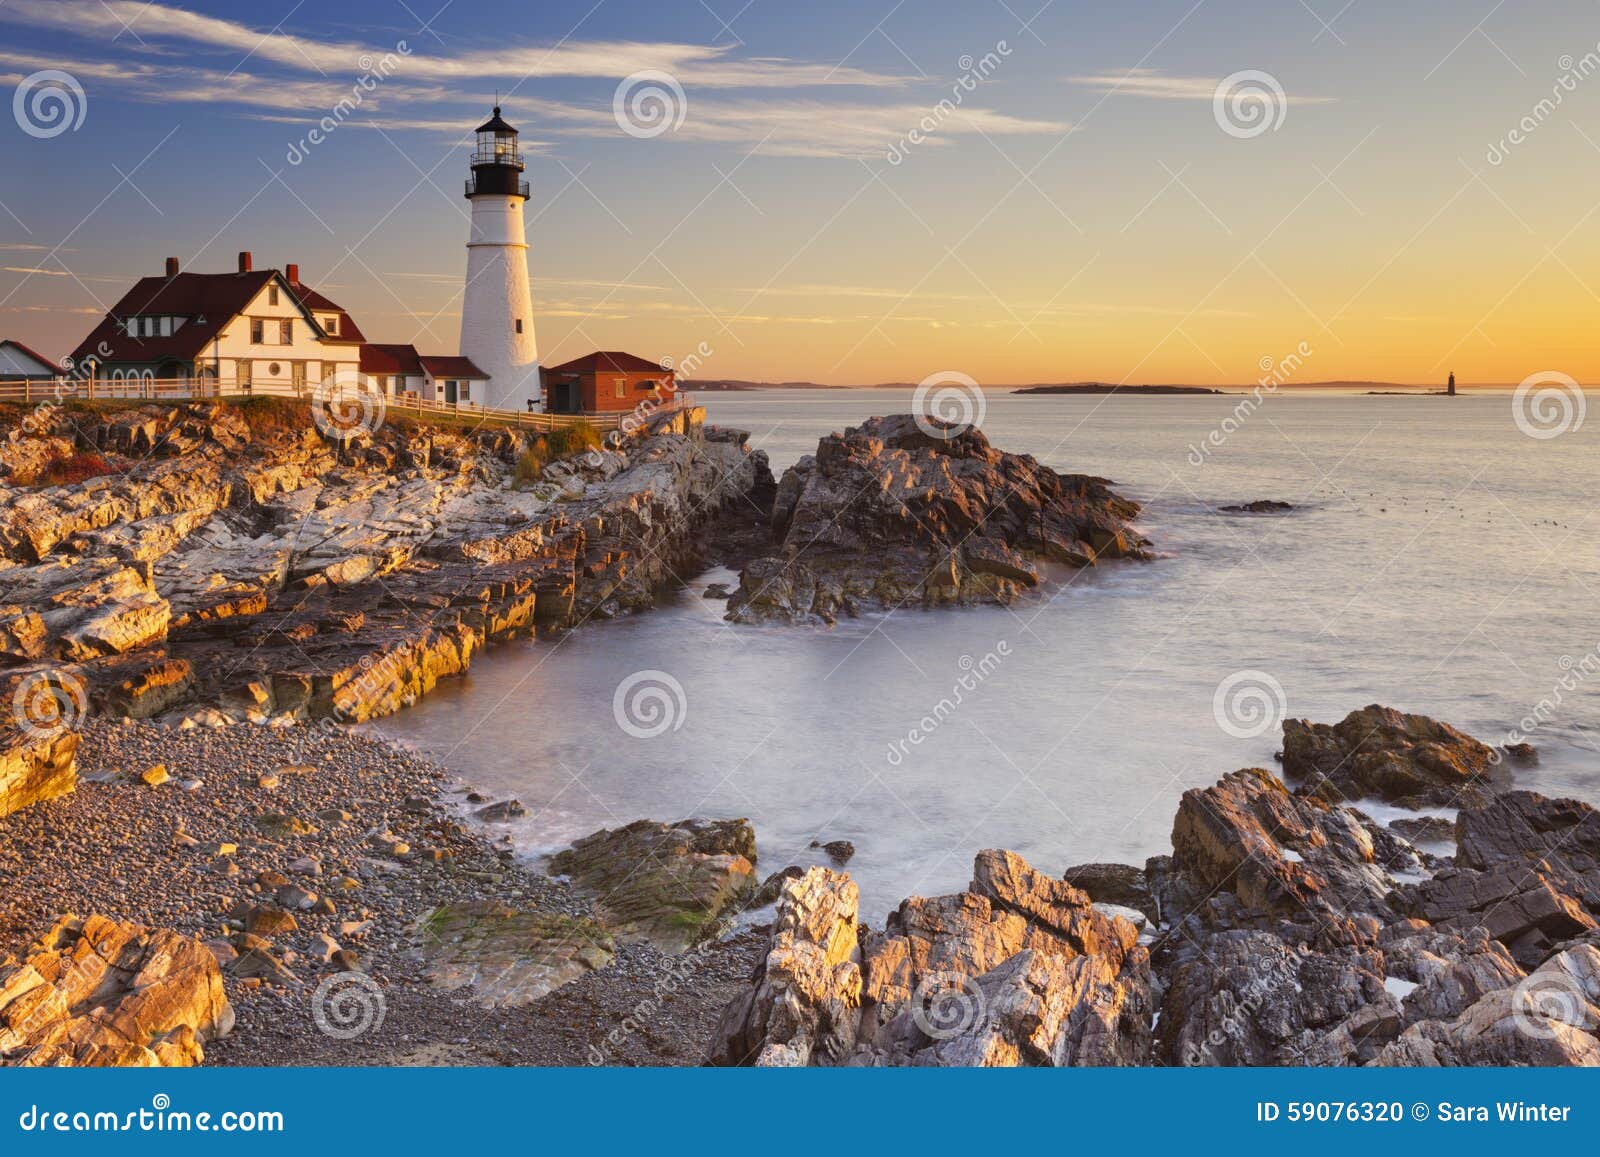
[
  {"x": 604, "y": 383},
  {"x": 19, "y": 363}
]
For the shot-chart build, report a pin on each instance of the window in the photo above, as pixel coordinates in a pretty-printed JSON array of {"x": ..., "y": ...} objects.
[
  {"x": 257, "y": 331},
  {"x": 272, "y": 295},
  {"x": 466, "y": 390},
  {"x": 149, "y": 327},
  {"x": 297, "y": 375},
  {"x": 244, "y": 376},
  {"x": 331, "y": 323},
  {"x": 622, "y": 387},
  {"x": 519, "y": 325},
  {"x": 286, "y": 331}
]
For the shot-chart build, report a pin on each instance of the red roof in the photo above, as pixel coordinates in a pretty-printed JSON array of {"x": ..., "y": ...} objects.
[
  {"x": 209, "y": 301},
  {"x": 452, "y": 367},
  {"x": 390, "y": 359},
  {"x": 608, "y": 362},
  {"x": 32, "y": 353}
]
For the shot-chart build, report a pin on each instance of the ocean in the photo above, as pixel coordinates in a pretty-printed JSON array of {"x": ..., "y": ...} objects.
[{"x": 1439, "y": 560}]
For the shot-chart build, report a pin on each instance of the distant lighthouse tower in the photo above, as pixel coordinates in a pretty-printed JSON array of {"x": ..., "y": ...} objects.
[{"x": 497, "y": 310}]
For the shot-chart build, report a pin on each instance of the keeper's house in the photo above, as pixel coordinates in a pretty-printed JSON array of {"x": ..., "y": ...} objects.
[
  {"x": 399, "y": 371},
  {"x": 253, "y": 330},
  {"x": 604, "y": 383}
]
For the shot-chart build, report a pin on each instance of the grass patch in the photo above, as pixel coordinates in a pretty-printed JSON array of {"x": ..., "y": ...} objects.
[
  {"x": 574, "y": 439},
  {"x": 531, "y": 463}
]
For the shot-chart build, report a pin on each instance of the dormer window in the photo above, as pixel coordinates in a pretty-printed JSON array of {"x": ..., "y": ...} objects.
[{"x": 331, "y": 324}]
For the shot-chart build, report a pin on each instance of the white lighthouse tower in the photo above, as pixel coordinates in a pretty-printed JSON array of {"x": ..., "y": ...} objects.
[{"x": 497, "y": 310}]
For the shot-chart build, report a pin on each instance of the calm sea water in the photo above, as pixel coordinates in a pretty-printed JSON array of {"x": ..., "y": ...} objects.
[{"x": 1439, "y": 561}]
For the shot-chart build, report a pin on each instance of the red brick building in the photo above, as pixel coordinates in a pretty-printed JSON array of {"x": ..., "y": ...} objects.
[{"x": 604, "y": 383}]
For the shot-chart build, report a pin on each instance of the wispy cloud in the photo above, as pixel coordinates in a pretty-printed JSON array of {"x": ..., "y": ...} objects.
[
  {"x": 705, "y": 66},
  {"x": 1157, "y": 85}
]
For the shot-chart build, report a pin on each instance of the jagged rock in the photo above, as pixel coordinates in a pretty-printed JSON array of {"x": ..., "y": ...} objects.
[
  {"x": 1242, "y": 997},
  {"x": 1122, "y": 885},
  {"x": 1248, "y": 852},
  {"x": 36, "y": 765},
  {"x": 506, "y": 958},
  {"x": 1435, "y": 828},
  {"x": 670, "y": 884},
  {"x": 1406, "y": 759},
  {"x": 904, "y": 510},
  {"x": 93, "y": 991},
  {"x": 839, "y": 851},
  {"x": 772, "y": 887},
  {"x": 804, "y": 1003},
  {"x": 1020, "y": 969},
  {"x": 1549, "y": 1018}
]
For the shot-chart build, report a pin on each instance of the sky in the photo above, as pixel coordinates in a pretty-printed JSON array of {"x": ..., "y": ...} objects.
[{"x": 846, "y": 192}]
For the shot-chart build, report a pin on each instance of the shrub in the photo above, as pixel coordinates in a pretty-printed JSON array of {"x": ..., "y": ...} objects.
[
  {"x": 75, "y": 468},
  {"x": 565, "y": 441},
  {"x": 531, "y": 463},
  {"x": 266, "y": 415}
]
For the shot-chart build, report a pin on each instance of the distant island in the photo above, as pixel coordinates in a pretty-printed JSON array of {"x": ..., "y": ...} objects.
[
  {"x": 732, "y": 385},
  {"x": 1108, "y": 388}
]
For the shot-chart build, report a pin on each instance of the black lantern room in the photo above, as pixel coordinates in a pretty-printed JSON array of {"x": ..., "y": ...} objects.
[{"x": 497, "y": 162}]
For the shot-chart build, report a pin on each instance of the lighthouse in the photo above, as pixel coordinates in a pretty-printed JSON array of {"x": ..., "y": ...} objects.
[{"x": 497, "y": 308}]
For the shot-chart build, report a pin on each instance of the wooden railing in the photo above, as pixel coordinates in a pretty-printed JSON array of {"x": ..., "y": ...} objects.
[{"x": 58, "y": 390}]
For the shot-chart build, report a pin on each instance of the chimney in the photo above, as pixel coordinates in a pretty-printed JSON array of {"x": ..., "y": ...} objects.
[
  {"x": 245, "y": 262},
  {"x": 291, "y": 274},
  {"x": 172, "y": 267}
]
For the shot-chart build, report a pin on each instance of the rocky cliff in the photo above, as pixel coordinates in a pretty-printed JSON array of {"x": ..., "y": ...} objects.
[{"x": 230, "y": 563}]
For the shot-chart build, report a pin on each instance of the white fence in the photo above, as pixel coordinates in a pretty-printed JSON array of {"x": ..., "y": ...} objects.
[{"x": 137, "y": 388}]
